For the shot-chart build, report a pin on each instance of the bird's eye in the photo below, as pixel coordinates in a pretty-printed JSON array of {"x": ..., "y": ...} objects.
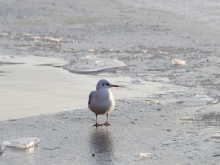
[{"x": 107, "y": 84}]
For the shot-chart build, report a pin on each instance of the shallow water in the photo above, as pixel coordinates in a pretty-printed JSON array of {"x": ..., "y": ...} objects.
[{"x": 38, "y": 85}]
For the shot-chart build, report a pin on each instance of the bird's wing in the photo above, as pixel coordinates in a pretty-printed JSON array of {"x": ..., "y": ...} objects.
[{"x": 90, "y": 96}]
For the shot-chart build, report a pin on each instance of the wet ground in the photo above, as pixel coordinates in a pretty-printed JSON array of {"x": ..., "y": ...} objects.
[
  {"x": 167, "y": 110},
  {"x": 172, "y": 135}
]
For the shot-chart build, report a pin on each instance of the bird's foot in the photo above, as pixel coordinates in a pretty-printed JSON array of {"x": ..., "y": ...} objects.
[
  {"x": 97, "y": 124},
  {"x": 106, "y": 124}
]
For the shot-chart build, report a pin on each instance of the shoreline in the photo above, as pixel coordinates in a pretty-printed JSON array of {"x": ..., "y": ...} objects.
[{"x": 34, "y": 85}]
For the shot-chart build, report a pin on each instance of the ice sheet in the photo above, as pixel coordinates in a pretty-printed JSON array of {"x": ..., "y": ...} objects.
[{"x": 90, "y": 64}]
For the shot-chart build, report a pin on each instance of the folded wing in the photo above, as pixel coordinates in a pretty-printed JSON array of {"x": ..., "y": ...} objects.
[{"x": 90, "y": 96}]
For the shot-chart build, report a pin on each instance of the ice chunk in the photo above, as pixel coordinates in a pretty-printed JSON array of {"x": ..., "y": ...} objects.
[
  {"x": 1, "y": 150},
  {"x": 25, "y": 142},
  {"x": 178, "y": 62},
  {"x": 144, "y": 155},
  {"x": 91, "y": 64}
]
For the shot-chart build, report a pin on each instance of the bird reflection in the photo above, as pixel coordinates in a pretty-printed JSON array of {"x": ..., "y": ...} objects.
[{"x": 102, "y": 145}]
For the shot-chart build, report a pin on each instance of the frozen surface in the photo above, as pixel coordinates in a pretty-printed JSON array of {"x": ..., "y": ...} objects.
[
  {"x": 136, "y": 127},
  {"x": 24, "y": 142},
  {"x": 170, "y": 111}
]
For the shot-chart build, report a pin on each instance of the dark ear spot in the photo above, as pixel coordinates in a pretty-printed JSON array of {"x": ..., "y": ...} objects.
[{"x": 102, "y": 84}]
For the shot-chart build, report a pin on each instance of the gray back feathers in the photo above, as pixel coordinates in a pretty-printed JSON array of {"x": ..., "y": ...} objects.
[{"x": 90, "y": 96}]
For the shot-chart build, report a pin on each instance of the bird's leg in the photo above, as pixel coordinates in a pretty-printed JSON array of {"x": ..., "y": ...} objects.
[
  {"x": 97, "y": 124},
  {"x": 106, "y": 123}
]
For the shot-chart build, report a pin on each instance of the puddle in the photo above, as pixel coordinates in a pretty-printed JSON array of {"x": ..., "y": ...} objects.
[
  {"x": 29, "y": 89},
  {"x": 38, "y": 85}
]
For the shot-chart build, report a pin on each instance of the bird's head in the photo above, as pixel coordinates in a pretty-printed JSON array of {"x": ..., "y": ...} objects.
[{"x": 103, "y": 83}]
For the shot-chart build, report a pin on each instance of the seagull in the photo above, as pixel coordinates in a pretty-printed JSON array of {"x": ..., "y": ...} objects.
[{"x": 102, "y": 100}]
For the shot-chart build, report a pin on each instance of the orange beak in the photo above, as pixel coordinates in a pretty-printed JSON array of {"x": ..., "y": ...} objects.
[{"x": 114, "y": 86}]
